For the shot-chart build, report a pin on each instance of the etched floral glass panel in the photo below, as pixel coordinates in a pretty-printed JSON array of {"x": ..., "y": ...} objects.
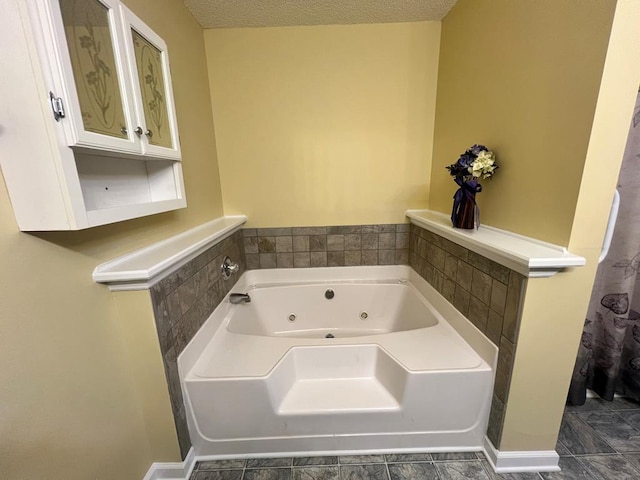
[
  {"x": 152, "y": 87},
  {"x": 86, "y": 25}
]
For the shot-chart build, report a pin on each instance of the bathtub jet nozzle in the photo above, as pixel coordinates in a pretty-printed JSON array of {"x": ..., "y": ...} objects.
[{"x": 237, "y": 298}]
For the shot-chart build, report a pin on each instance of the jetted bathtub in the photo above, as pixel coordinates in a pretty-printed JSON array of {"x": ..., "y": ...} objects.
[{"x": 344, "y": 360}]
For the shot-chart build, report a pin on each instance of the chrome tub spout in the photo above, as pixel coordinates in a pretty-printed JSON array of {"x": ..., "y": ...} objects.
[{"x": 236, "y": 298}]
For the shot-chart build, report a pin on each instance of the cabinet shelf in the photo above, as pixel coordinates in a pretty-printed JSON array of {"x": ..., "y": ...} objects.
[{"x": 114, "y": 188}]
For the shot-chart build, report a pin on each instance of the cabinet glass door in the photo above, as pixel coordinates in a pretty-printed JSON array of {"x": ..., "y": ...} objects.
[
  {"x": 149, "y": 65},
  {"x": 88, "y": 33},
  {"x": 152, "y": 87}
]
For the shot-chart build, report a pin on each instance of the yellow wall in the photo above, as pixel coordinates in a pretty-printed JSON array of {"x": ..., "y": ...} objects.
[
  {"x": 138, "y": 331},
  {"x": 71, "y": 406},
  {"x": 316, "y": 125},
  {"x": 325, "y": 125},
  {"x": 521, "y": 78},
  {"x": 559, "y": 134},
  {"x": 549, "y": 337}
]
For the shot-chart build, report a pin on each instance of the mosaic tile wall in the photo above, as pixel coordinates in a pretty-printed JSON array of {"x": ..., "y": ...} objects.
[
  {"x": 299, "y": 247},
  {"x": 182, "y": 301},
  {"x": 487, "y": 293}
]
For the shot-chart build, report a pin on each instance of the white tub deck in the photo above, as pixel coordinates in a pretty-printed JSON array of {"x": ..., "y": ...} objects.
[{"x": 424, "y": 388}]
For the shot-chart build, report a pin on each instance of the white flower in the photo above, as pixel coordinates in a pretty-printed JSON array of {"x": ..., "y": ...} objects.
[{"x": 483, "y": 166}]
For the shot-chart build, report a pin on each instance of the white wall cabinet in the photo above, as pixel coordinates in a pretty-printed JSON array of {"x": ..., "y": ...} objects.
[{"x": 89, "y": 134}]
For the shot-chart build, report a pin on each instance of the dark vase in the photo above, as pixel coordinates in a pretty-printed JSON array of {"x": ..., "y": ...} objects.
[
  {"x": 465, "y": 210},
  {"x": 464, "y": 215}
]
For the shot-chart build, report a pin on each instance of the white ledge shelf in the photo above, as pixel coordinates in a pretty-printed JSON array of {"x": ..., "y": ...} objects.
[
  {"x": 140, "y": 269},
  {"x": 525, "y": 255}
]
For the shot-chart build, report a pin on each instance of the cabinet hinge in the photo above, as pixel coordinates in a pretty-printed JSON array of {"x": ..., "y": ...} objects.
[{"x": 57, "y": 106}]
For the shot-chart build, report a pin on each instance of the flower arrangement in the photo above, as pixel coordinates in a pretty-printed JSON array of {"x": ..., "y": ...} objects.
[{"x": 476, "y": 162}]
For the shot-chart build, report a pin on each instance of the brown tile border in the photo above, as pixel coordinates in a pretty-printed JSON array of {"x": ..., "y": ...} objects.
[
  {"x": 329, "y": 246},
  {"x": 489, "y": 294},
  {"x": 182, "y": 301}
]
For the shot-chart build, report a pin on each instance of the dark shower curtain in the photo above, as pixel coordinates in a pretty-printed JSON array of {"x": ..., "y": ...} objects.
[{"x": 609, "y": 355}]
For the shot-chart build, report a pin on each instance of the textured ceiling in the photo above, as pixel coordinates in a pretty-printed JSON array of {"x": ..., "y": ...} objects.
[{"x": 273, "y": 13}]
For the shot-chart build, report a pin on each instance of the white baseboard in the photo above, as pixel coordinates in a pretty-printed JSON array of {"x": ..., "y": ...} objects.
[
  {"x": 171, "y": 470},
  {"x": 524, "y": 461},
  {"x": 501, "y": 462}
]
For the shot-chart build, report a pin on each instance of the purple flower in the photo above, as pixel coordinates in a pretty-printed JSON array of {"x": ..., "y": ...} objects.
[
  {"x": 476, "y": 150},
  {"x": 466, "y": 159},
  {"x": 463, "y": 169},
  {"x": 458, "y": 170}
]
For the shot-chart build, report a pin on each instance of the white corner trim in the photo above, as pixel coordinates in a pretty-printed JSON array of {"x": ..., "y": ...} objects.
[
  {"x": 525, "y": 255},
  {"x": 523, "y": 461},
  {"x": 171, "y": 470},
  {"x": 140, "y": 269}
]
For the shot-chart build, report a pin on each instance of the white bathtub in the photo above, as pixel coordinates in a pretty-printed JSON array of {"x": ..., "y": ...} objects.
[
  {"x": 355, "y": 309},
  {"x": 401, "y": 371}
]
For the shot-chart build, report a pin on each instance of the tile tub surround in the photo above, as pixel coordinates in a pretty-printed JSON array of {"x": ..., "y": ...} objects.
[
  {"x": 182, "y": 301},
  {"x": 332, "y": 246},
  {"x": 489, "y": 294}
]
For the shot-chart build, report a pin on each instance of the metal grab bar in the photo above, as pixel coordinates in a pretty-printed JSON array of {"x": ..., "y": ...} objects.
[{"x": 611, "y": 226}]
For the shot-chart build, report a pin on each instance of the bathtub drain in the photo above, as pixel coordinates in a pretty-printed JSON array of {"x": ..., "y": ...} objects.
[{"x": 292, "y": 317}]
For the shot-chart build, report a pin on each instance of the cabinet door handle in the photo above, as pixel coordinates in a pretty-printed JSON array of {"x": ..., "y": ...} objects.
[
  {"x": 138, "y": 131},
  {"x": 149, "y": 133},
  {"x": 124, "y": 130}
]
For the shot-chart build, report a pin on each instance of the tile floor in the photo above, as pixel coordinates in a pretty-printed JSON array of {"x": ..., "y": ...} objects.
[{"x": 598, "y": 441}]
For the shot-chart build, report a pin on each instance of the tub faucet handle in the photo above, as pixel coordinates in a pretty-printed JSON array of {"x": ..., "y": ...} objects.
[{"x": 228, "y": 268}]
